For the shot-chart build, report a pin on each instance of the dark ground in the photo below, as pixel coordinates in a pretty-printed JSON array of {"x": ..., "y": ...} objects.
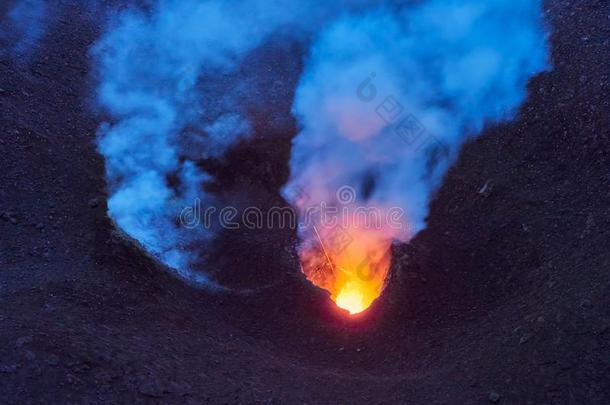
[{"x": 506, "y": 293}]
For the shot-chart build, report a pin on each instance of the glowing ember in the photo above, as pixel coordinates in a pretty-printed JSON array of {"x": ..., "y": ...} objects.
[
  {"x": 353, "y": 269},
  {"x": 350, "y": 298}
]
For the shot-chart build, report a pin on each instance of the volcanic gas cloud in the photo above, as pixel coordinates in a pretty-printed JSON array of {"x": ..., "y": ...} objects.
[
  {"x": 387, "y": 95},
  {"x": 386, "y": 99}
]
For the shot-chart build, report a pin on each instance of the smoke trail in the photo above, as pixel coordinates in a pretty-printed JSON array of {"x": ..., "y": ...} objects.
[
  {"x": 378, "y": 81},
  {"x": 158, "y": 81},
  {"x": 388, "y": 97}
]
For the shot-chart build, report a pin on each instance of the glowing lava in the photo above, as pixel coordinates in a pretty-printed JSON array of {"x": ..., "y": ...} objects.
[
  {"x": 354, "y": 271},
  {"x": 351, "y": 299}
]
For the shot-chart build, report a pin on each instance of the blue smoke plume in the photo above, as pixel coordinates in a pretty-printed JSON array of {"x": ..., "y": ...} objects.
[
  {"x": 387, "y": 97},
  {"x": 151, "y": 65}
]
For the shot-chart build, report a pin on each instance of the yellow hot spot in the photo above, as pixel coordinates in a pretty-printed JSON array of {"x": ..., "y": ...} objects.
[
  {"x": 356, "y": 274},
  {"x": 351, "y": 298}
]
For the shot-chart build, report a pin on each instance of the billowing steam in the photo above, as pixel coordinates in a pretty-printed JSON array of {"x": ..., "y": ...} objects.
[
  {"x": 387, "y": 97},
  {"x": 386, "y": 100},
  {"x": 152, "y": 65},
  {"x": 443, "y": 68}
]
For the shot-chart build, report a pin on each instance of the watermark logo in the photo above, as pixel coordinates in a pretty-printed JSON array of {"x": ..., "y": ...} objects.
[
  {"x": 190, "y": 216},
  {"x": 341, "y": 214},
  {"x": 409, "y": 129},
  {"x": 346, "y": 195},
  {"x": 367, "y": 91},
  {"x": 404, "y": 124},
  {"x": 389, "y": 110},
  {"x": 339, "y": 240}
]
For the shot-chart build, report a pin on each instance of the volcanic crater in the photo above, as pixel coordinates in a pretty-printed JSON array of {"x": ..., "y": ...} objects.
[{"x": 502, "y": 298}]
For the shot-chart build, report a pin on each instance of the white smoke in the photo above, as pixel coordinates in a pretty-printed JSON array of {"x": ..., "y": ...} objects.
[
  {"x": 389, "y": 95},
  {"x": 151, "y": 66},
  {"x": 449, "y": 66}
]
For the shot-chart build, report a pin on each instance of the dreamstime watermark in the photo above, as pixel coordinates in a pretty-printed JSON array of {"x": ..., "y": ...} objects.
[
  {"x": 404, "y": 124},
  {"x": 341, "y": 213}
]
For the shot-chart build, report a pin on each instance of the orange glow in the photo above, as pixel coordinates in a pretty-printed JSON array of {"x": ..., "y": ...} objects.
[
  {"x": 355, "y": 271},
  {"x": 351, "y": 299}
]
